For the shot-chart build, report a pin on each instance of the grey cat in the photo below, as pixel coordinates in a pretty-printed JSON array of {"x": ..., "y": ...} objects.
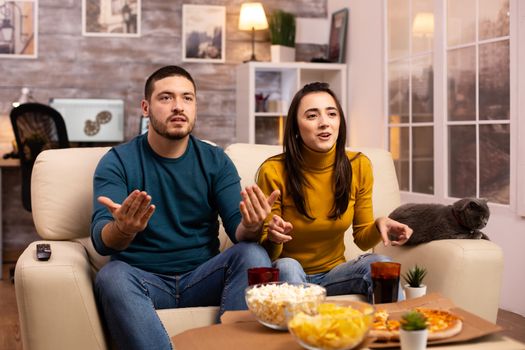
[{"x": 462, "y": 219}]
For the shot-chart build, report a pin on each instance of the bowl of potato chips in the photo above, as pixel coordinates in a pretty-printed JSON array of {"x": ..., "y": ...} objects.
[
  {"x": 336, "y": 326},
  {"x": 273, "y": 303}
]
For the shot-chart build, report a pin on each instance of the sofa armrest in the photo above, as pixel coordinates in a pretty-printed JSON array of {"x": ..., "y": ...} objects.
[
  {"x": 469, "y": 272},
  {"x": 55, "y": 299}
]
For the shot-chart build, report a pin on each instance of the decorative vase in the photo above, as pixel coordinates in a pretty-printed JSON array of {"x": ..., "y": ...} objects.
[
  {"x": 415, "y": 292},
  {"x": 282, "y": 53},
  {"x": 413, "y": 340}
]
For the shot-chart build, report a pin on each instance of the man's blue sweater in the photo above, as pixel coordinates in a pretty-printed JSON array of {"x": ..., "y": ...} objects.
[{"x": 188, "y": 192}]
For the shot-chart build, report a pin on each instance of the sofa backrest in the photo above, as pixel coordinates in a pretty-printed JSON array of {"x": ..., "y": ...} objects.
[{"x": 62, "y": 190}]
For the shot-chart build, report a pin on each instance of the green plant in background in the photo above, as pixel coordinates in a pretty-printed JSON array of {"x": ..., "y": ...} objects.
[
  {"x": 282, "y": 28},
  {"x": 413, "y": 321},
  {"x": 414, "y": 276}
]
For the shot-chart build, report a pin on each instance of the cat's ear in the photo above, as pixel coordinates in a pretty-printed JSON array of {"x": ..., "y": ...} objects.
[
  {"x": 484, "y": 200},
  {"x": 462, "y": 204},
  {"x": 473, "y": 204}
]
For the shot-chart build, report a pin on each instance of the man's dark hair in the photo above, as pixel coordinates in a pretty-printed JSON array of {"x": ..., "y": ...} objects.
[{"x": 164, "y": 72}]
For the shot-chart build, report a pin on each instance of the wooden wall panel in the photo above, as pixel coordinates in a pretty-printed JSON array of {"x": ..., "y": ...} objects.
[{"x": 70, "y": 65}]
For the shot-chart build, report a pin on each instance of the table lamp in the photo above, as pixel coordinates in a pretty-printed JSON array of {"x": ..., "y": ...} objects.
[
  {"x": 25, "y": 96},
  {"x": 252, "y": 17}
]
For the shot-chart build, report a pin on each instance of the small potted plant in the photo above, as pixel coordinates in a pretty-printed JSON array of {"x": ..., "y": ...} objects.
[
  {"x": 413, "y": 332},
  {"x": 414, "y": 279},
  {"x": 282, "y": 36}
]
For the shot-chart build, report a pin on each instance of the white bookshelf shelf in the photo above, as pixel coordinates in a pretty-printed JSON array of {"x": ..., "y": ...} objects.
[{"x": 277, "y": 83}]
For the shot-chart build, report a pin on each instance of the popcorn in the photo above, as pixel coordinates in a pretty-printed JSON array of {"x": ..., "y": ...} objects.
[{"x": 271, "y": 303}]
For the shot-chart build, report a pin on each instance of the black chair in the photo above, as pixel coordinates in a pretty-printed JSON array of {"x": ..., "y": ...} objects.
[{"x": 37, "y": 127}]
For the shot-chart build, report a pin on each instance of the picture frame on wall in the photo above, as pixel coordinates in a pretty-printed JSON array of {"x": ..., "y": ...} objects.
[
  {"x": 119, "y": 18},
  {"x": 18, "y": 29},
  {"x": 203, "y": 33},
  {"x": 337, "y": 40}
]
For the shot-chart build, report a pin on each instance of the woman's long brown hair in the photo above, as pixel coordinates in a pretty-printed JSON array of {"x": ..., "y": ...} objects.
[{"x": 294, "y": 162}]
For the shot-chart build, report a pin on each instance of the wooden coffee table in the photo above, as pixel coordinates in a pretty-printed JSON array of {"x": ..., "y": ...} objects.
[
  {"x": 240, "y": 330},
  {"x": 252, "y": 335},
  {"x": 490, "y": 342}
]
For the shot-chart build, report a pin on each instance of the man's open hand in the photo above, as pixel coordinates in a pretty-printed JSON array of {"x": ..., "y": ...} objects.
[
  {"x": 254, "y": 207},
  {"x": 133, "y": 214}
]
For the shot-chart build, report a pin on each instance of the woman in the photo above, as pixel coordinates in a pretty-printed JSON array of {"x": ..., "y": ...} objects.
[{"x": 324, "y": 190}]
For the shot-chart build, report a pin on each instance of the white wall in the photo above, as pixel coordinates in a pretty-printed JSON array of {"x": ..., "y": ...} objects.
[
  {"x": 365, "y": 55},
  {"x": 508, "y": 231}
]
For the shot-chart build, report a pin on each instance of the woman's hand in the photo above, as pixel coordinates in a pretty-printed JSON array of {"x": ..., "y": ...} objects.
[
  {"x": 279, "y": 230},
  {"x": 393, "y": 232}
]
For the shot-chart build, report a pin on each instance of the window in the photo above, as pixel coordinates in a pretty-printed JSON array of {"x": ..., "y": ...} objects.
[
  {"x": 478, "y": 84},
  {"x": 461, "y": 117},
  {"x": 411, "y": 92}
]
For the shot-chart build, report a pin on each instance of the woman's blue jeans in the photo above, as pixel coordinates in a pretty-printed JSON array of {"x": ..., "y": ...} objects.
[
  {"x": 128, "y": 296},
  {"x": 351, "y": 277}
]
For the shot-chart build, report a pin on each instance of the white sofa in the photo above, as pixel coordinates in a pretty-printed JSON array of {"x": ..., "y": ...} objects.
[{"x": 55, "y": 298}]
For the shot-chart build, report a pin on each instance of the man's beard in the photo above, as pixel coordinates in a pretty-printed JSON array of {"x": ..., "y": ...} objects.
[{"x": 161, "y": 128}]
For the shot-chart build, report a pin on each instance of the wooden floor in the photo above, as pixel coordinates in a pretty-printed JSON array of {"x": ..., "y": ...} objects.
[
  {"x": 9, "y": 325},
  {"x": 513, "y": 324}
]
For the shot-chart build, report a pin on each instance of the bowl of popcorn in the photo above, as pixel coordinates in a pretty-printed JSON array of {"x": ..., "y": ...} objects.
[
  {"x": 336, "y": 326},
  {"x": 273, "y": 303}
]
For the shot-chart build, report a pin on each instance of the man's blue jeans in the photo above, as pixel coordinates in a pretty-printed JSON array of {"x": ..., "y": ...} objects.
[
  {"x": 128, "y": 296},
  {"x": 351, "y": 277}
]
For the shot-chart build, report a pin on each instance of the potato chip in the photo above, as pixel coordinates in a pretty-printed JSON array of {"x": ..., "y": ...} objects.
[{"x": 335, "y": 327}]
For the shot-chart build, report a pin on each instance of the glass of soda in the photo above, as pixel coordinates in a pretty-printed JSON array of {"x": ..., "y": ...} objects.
[{"x": 385, "y": 281}]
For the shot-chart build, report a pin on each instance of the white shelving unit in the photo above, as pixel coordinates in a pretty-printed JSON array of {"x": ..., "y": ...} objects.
[{"x": 276, "y": 84}]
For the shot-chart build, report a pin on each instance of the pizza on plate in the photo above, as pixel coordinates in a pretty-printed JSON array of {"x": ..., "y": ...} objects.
[{"x": 441, "y": 324}]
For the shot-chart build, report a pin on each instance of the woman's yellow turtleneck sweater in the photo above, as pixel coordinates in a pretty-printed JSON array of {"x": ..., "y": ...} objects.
[{"x": 318, "y": 244}]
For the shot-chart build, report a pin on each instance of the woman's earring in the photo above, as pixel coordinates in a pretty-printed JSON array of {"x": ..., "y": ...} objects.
[{"x": 296, "y": 136}]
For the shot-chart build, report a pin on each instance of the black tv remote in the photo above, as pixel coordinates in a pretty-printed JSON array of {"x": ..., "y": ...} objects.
[{"x": 43, "y": 251}]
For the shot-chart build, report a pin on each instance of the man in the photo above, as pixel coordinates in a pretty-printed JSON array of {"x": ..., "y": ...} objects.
[{"x": 158, "y": 198}]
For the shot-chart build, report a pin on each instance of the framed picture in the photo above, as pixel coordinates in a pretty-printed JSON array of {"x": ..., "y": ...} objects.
[
  {"x": 337, "y": 42},
  {"x": 111, "y": 18},
  {"x": 203, "y": 33},
  {"x": 19, "y": 29}
]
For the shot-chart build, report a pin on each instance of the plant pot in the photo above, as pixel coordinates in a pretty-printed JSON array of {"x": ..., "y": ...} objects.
[
  {"x": 415, "y": 292},
  {"x": 282, "y": 53},
  {"x": 413, "y": 340}
]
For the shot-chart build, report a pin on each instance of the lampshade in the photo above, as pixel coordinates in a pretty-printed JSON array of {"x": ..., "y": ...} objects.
[
  {"x": 252, "y": 17},
  {"x": 423, "y": 24}
]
